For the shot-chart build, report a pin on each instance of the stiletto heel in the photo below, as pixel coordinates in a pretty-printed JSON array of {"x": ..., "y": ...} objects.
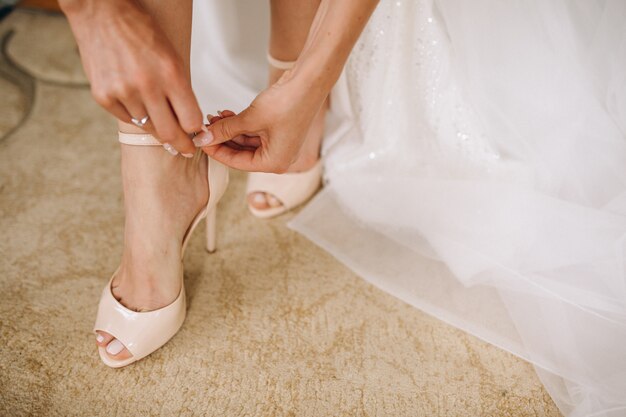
[
  {"x": 291, "y": 189},
  {"x": 142, "y": 333},
  {"x": 211, "y": 226}
]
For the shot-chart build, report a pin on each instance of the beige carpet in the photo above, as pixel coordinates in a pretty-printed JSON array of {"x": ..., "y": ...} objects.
[{"x": 275, "y": 327}]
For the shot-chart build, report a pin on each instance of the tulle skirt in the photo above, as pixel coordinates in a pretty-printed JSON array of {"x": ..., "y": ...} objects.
[{"x": 475, "y": 167}]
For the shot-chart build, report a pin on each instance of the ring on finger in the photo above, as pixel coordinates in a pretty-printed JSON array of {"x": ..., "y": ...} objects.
[{"x": 140, "y": 122}]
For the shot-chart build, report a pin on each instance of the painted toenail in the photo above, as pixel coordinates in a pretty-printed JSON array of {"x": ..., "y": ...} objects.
[
  {"x": 100, "y": 338},
  {"x": 273, "y": 201},
  {"x": 115, "y": 347},
  {"x": 258, "y": 198}
]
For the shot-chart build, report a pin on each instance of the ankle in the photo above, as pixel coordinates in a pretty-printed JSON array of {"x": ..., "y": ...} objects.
[
  {"x": 162, "y": 195},
  {"x": 153, "y": 180},
  {"x": 145, "y": 286},
  {"x": 151, "y": 165}
]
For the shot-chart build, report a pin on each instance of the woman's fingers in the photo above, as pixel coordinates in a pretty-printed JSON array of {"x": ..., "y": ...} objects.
[
  {"x": 238, "y": 142},
  {"x": 136, "y": 71},
  {"x": 242, "y": 159},
  {"x": 136, "y": 109},
  {"x": 247, "y": 141},
  {"x": 162, "y": 121},
  {"x": 239, "y": 149},
  {"x": 226, "y": 113},
  {"x": 212, "y": 119},
  {"x": 227, "y": 127},
  {"x": 247, "y": 158},
  {"x": 186, "y": 108},
  {"x": 167, "y": 128},
  {"x": 117, "y": 109}
]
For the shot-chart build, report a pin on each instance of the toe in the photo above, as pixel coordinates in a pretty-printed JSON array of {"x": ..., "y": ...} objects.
[
  {"x": 103, "y": 338},
  {"x": 258, "y": 201},
  {"x": 116, "y": 350},
  {"x": 273, "y": 201},
  {"x": 263, "y": 201}
]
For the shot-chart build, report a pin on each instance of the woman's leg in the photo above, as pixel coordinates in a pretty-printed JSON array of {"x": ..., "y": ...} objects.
[
  {"x": 290, "y": 24},
  {"x": 162, "y": 194}
]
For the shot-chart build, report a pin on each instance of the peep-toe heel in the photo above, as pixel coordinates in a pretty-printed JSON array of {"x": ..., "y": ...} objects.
[{"x": 142, "y": 333}]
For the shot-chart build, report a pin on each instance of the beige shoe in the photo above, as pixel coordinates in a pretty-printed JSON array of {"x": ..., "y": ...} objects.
[
  {"x": 144, "y": 332},
  {"x": 291, "y": 189}
]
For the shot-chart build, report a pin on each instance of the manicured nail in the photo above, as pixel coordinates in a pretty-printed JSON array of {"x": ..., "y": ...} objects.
[
  {"x": 115, "y": 347},
  {"x": 100, "y": 338},
  {"x": 203, "y": 139},
  {"x": 170, "y": 149},
  {"x": 187, "y": 155},
  {"x": 220, "y": 113}
]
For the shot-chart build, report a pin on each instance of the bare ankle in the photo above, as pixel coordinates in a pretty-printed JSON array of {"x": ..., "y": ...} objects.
[{"x": 162, "y": 195}]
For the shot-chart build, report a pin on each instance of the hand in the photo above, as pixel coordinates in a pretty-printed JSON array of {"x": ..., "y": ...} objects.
[
  {"x": 281, "y": 115},
  {"x": 241, "y": 142},
  {"x": 268, "y": 135},
  {"x": 134, "y": 70}
]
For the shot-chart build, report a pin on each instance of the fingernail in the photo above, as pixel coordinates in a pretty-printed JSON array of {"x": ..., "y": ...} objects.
[
  {"x": 220, "y": 113},
  {"x": 203, "y": 139},
  {"x": 115, "y": 347},
  {"x": 208, "y": 117},
  {"x": 100, "y": 338},
  {"x": 187, "y": 155},
  {"x": 170, "y": 149}
]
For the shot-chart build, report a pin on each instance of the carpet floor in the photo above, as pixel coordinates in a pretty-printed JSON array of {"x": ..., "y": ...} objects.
[{"x": 275, "y": 326}]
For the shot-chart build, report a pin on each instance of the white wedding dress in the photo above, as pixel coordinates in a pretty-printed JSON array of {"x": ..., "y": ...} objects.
[{"x": 475, "y": 167}]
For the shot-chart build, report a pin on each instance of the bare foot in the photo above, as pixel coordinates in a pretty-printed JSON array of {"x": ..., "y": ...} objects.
[{"x": 162, "y": 195}]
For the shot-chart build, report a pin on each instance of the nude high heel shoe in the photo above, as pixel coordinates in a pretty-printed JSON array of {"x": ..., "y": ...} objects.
[
  {"x": 144, "y": 332},
  {"x": 291, "y": 189}
]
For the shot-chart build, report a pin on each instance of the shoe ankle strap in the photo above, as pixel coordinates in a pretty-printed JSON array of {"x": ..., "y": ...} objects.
[
  {"x": 278, "y": 64},
  {"x": 140, "y": 139}
]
